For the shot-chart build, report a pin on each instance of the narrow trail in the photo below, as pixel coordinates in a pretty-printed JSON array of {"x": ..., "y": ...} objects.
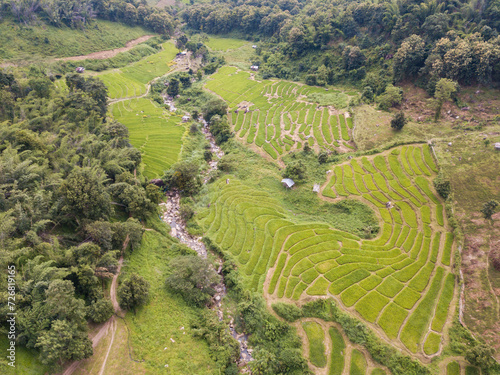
[{"x": 109, "y": 324}]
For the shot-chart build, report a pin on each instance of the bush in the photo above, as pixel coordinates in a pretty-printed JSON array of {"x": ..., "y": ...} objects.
[
  {"x": 192, "y": 277},
  {"x": 442, "y": 185},
  {"x": 398, "y": 121},
  {"x": 100, "y": 311},
  {"x": 495, "y": 258},
  {"x": 133, "y": 292},
  {"x": 489, "y": 208},
  {"x": 287, "y": 311},
  {"x": 296, "y": 170}
]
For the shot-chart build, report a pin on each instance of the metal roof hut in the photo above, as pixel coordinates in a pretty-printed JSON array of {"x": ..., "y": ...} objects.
[
  {"x": 288, "y": 183},
  {"x": 186, "y": 118},
  {"x": 497, "y": 146},
  {"x": 80, "y": 69},
  {"x": 254, "y": 68},
  {"x": 316, "y": 188}
]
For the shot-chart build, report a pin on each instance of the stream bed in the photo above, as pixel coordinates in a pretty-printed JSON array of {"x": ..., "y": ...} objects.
[{"x": 171, "y": 215}]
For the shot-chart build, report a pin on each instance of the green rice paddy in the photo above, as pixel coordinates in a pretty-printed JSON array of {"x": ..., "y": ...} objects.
[
  {"x": 279, "y": 116},
  {"x": 132, "y": 80},
  {"x": 152, "y": 130},
  {"x": 399, "y": 282}
]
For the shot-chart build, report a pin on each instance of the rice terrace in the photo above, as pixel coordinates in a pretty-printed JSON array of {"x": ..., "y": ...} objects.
[{"x": 251, "y": 187}]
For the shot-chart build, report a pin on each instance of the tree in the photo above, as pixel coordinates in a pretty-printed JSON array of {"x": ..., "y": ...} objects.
[
  {"x": 100, "y": 311},
  {"x": 214, "y": 107},
  {"x": 296, "y": 170},
  {"x": 445, "y": 89},
  {"x": 220, "y": 129},
  {"x": 84, "y": 195},
  {"x": 64, "y": 341},
  {"x": 398, "y": 121},
  {"x": 353, "y": 58},
  {"x": 489, "y": 208},
  {"x": 41, "y": 86},
  {"x": 193, "y": 277},
  {"x": 409, "y": 58},
  {"x": 173, "y": 87},
  {"x": 183, "y": 176},
  {"x": 133, "y": 292},
  {"x": 442, "y": 185},
  {"x": 322, "y": 157},
  {"x": 391, "y": 97},
  {"x": 481, "y": 356},
  {"x": 181, "y": 42}
]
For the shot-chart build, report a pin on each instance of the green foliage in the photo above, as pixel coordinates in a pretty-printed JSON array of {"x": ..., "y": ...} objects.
[
  {"x": 193, "y": 278},
  {"x": 481, "y": 355},
  {"x": 296, "y": 170},
  {"x": 453, "y": 368},
  {"x": 391, "y": 97},
  {"x": 358, "y": 363},
  {"x": 183, "y": 176},
  {"x": 133, "y": 292},
  {"x": 398, "y": 121},
  {"x": 442, "y": 185},
  {"x": 100, "y": 311},
  {"x": 287, "y": 311},
  {"x": 337, "y": 361},
  {"x": 489, "y": 208}
]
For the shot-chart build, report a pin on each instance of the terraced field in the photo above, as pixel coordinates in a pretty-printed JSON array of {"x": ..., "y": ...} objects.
[
  {"x": 399, "y": 283},
  {"x": 132, "y": 80},
  {"x": 156, "y": 133},
  {"x": 280, "y": 116},
  {"x": 342, "y": 357}
]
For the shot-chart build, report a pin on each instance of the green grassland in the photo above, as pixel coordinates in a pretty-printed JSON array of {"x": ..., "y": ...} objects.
[
  {"x": 132, "y": 80},
  {"x": 154, "y": 324},
  {"x": 381, "y": 279},
  {"x": 279, "y": 116},
  {"x": 216, "y": 43},
  {"x": 21, "y": 43},
  {"x": 27, "y": 362},
  {"x": 153, "y": 131},
  {"x": 337, "y": 361},
  {"x": 358, "y": 363}
]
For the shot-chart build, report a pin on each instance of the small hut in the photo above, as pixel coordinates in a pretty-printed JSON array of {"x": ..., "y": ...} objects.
[
  {"x": 288, "y": 183},
  {"x": 254, "y": 68},
  {"x": 186, "y": 118},
  {"x": 316, "y": 188},
  {"x": 497, "y": 146},
  {"x": 254, "y": 46},
  {"x": 80, "y": 69}
]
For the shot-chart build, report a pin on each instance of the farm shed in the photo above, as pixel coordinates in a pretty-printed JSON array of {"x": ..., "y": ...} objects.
[
  {"x": 497, "y": 146},
  {"x": 186, "y": 118},
  {"x": 316, "y": 188},
  {"x": 254, "y": 68},
  {"x": 288, "y": 183},
  {"x": 80, "y": 69}
]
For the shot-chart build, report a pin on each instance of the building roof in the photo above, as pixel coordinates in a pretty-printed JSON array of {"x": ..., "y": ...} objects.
[
  {"x": 288, "y": 182},
  {"x": 316, "y": 188},
  {"x": 497, "y": 145}
]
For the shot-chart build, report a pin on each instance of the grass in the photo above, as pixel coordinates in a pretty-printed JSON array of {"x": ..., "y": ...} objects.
[
  {"x": 391, "y": 319},
  {"x": 358, "y": 363},
  {"x": 337, "y": 361},
  {"x": 316, "y": 338},
  {"x": 453, "y": 368},
  {"x": 216, "y": 43},
  {"x": 431, "y": 345},
  {"x": 27, "y": 362},
  {"x": 151, "y": 329},
  {"x": 152, "y": 131},
  {"x": 131, "y": 80},
  {"x": 21, "y": 43}
]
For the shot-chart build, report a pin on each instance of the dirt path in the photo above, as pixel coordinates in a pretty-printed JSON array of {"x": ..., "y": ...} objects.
[
  {"x": 109, "y": 53},
  {"x": 110, "y": 324}
]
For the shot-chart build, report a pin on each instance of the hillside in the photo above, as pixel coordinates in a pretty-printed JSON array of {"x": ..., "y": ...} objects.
[{"x": 266, "y": 187}]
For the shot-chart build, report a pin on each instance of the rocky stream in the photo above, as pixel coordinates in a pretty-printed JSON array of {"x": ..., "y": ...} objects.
[{"x": 171, "y": 215}]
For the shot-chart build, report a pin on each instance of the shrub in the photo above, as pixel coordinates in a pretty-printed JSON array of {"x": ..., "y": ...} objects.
[
  {"x": 287, "y": 311},
  {"x": 442, "y": 185},
  {"x": 398, "y": 121},
  {"x": 133, "y": 292},
  {"x": 296, "y": 170},
  {"x": 489, "y": 208},
  {"x": 100, "y": 311}
]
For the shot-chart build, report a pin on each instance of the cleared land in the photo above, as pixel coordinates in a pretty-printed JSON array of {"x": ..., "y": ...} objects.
[
  {"x": 280, "y": 116},
  {"x": 19, "y": 43},
  {"x": 398, "y": 282}
]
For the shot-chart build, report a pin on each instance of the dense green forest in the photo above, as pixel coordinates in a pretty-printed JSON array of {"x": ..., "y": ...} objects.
[{"x": 366, "y": 43}]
